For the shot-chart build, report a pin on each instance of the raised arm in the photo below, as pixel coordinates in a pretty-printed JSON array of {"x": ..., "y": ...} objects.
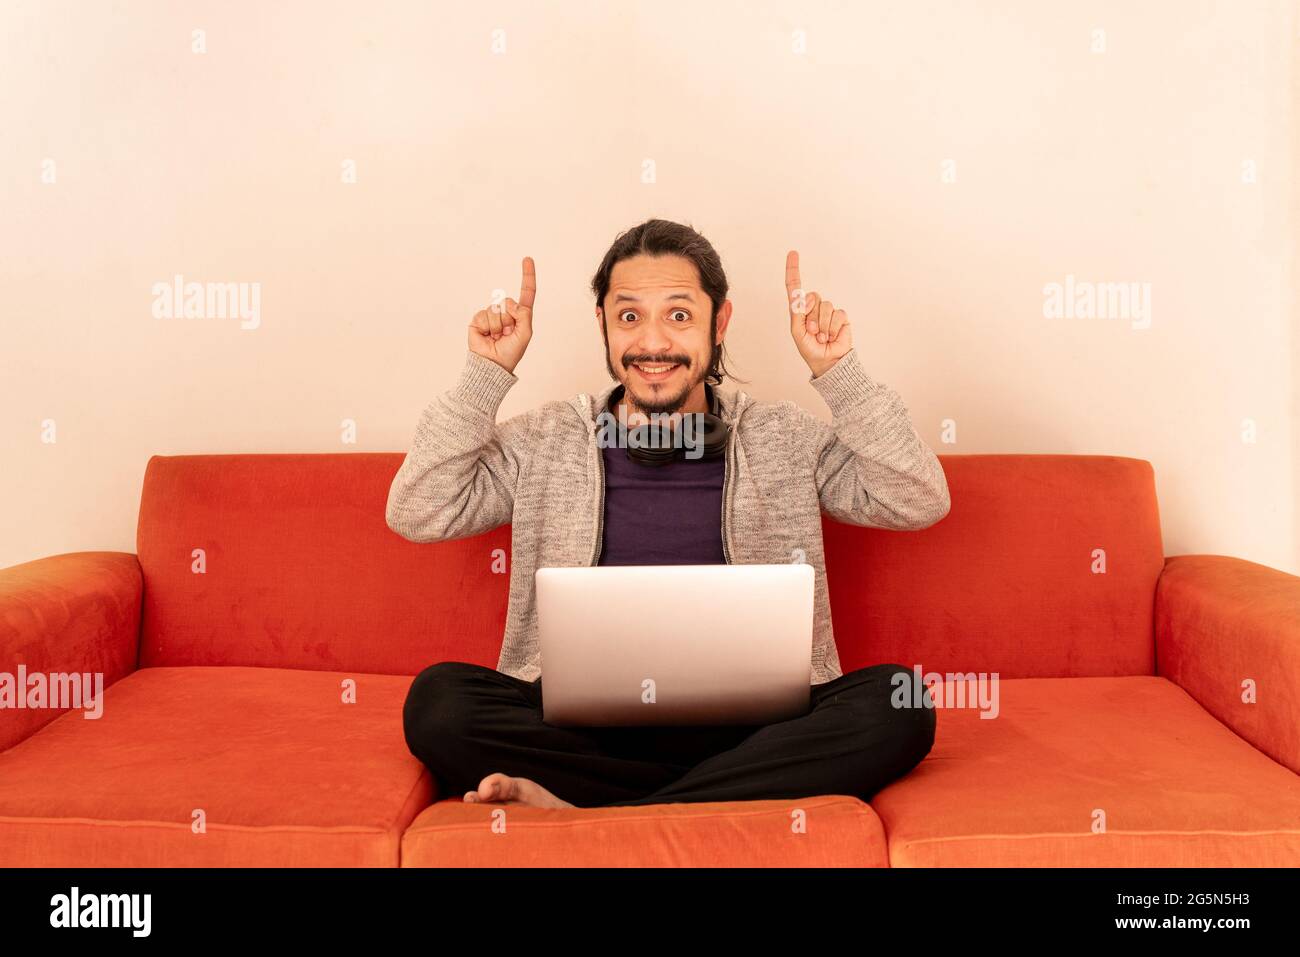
[
  {"x": 460, "y": 475},
  {"x": 871, "y": 466}
]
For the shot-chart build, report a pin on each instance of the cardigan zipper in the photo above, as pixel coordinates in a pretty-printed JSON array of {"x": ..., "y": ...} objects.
[
  {"x": 728, "y": 469},
  {"x": 600, "y": 498}
]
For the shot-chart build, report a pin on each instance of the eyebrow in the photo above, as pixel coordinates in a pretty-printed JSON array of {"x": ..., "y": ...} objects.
[{"x": 624, "y": 297}]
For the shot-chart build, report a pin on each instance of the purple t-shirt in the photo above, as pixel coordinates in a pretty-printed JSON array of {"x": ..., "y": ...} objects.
[{"x": 662, "y": 514}]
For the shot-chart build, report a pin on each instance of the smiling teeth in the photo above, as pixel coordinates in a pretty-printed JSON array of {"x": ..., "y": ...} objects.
[{"x": 654, "y": 369}]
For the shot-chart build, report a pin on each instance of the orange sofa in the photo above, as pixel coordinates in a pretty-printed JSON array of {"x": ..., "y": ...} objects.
[{"x": 257, "y": 648}]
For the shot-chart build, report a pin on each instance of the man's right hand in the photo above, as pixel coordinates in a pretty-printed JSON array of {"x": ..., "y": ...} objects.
[{"x": 501, "y": 331}]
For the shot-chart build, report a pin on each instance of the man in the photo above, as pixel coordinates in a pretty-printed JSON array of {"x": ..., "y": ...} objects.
[{"x": 572, "y": 499}]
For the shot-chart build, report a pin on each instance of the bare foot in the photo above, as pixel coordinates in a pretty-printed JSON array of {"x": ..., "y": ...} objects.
[{"x": 501, "y": 788}]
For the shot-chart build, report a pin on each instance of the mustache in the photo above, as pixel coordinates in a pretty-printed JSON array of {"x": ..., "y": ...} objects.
[{"x": 652, "y": 360}]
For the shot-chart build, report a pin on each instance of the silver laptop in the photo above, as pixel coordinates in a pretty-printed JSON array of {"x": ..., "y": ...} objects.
[{"x": 626, "y": 645}]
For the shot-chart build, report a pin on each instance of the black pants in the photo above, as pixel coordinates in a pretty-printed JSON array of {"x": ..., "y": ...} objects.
[{"x": 466, "y": 721}]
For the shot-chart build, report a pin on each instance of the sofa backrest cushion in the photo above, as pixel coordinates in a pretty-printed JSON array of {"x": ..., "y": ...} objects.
[
  {"x": 1045, "y": 566},
  {"x": 300, "y": 569}
]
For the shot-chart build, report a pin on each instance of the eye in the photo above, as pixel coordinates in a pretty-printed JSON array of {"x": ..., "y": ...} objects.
[
  {"x": 626, "y": 313},
  {"x": 684, "y": 313}
]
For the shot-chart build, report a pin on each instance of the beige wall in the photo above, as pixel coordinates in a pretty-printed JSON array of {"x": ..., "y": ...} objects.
[{"x": 225, "y": 166}]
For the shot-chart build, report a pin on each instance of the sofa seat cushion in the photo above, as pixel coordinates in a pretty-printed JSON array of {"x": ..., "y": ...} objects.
[
  {"x": 1176, "y": 787},
  {"x": 824, "y": 831},
  {"x": 284, "y": 772}
]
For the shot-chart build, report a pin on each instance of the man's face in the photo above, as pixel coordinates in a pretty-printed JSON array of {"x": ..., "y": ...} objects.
[{"x": 656, "y": 327}]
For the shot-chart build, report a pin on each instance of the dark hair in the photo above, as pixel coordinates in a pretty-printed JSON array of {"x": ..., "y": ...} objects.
[{"x": 660, "y": 237}]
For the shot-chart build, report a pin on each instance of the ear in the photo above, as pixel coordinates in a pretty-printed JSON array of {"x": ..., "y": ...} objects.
[{"x": 724, "y": 317}]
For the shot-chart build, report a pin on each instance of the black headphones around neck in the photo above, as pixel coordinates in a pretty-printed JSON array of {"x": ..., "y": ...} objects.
[{"x": 653, "y": 444}]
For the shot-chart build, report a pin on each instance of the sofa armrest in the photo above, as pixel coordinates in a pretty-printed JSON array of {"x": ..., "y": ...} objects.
[
  {"x": 71, "y": 614},
  {"x": 1222, "y": 622}
]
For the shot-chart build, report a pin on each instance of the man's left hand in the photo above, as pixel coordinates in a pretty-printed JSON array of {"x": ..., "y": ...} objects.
[{"x": 820, "y": 330}]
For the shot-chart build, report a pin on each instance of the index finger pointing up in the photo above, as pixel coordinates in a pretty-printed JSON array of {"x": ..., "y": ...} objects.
[
  {"x": 793, "y": 284},
  {"x": 528, "y": 287}
]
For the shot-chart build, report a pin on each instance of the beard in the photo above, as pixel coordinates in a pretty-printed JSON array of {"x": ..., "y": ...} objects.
[{"x": 656, "y": 399}]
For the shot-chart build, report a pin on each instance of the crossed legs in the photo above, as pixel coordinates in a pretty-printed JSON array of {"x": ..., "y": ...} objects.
[{"x": 480, "y": 732}]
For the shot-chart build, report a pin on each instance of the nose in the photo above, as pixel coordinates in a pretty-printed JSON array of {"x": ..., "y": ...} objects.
[{"x": 653, "y": 340}]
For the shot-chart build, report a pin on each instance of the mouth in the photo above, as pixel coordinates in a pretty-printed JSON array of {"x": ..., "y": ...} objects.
[{"x": 655, "y": 371}]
